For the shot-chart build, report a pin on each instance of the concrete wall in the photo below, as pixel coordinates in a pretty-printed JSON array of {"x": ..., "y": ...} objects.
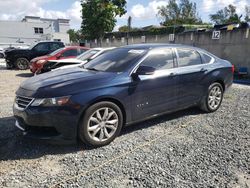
[
  {"x": 233, "y": 46},
  {"x": 64, "y": 37}
]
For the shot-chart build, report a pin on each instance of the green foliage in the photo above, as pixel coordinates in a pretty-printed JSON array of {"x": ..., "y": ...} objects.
[
  {"x": 99, "y": 16},
  {"x": 74, "y": 36},
  {"x": 151, "y": 31},
  {"x": 226, "y": 15},
  {"x": 126, "y": 29},
  {"x": 247, "y": 16},
  {"x": 176, "y": 14}
]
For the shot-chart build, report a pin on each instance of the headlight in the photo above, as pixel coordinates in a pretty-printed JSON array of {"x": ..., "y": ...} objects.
[
  {"x": 41, "y": 61},
  {"x": 57, "y": 101}
]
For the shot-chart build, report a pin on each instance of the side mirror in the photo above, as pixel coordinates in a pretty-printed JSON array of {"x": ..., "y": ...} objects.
[{"x": 145, "y": 70}]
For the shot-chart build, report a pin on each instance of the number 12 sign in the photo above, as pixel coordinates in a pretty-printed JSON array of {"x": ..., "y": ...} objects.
[{"x": 216, "y": 35}]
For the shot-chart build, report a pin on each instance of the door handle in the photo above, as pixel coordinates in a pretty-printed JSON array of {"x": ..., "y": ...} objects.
[{"x": 203, "y": 70}]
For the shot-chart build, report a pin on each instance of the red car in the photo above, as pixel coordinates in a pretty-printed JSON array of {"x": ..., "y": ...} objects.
[{"x": 36, "y": 64}]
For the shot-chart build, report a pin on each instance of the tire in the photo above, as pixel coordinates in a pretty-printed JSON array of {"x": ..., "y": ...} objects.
[
  {"x": 9, "y": 66},
  {"x": 99, "y": 129},
  {"x": 22, "y": 63},
  {"x": 1, "y": 55},
  {"x": 215, "y": 93}
]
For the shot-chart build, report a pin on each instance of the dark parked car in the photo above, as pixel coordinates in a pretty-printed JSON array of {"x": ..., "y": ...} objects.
[
  {"x": 121, "y": 87},
  {"x": 1, "y": 53},
  {"x": 20, "y": 58}
]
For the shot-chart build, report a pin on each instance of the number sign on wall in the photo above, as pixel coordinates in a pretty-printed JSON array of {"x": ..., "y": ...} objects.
[{"x": 216, "y": 35}]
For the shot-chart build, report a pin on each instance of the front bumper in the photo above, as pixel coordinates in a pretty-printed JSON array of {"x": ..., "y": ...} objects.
[
  {"x": 51, "y": 123},
  {"x": 35, "y": 68}
]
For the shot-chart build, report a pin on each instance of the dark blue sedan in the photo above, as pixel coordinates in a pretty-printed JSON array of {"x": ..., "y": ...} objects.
[{"x": 124, "y": 86}]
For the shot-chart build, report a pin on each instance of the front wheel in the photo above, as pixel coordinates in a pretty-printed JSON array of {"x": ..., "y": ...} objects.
[
  {"x": 22, "y": 63},
  {"x": 212, "y": 101},
  {"x": 101, "y": 124}
]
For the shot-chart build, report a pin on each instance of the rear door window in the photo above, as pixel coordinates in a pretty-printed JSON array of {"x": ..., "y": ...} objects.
[
  {"x": 54, "y": 46},
  {"x": 188, "y": 57},
  {"x": 206, "y": 58}
]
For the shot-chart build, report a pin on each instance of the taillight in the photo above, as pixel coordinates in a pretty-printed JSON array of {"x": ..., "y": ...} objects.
[{"x": 233, "y": 68}]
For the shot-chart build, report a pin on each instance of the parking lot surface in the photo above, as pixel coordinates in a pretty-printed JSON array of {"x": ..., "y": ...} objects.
[{"x": 184, "y": 149}]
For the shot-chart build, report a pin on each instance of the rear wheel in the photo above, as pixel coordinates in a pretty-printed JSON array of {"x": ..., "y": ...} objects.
[
  {"x": 212, "y": 101},
  {"x": 101, "y": 124},
  {"x": 22, "y": 63}
]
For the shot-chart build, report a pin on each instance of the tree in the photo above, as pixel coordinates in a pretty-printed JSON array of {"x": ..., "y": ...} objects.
[
  {"x": 226, "y": 15},
  {"x": 175, "y": 14},
  {"x": 74, "y": 36},
  {"x": 125, "y": 28},
  {"x": 99, "y": 16},
  {"x": 247, "y": 10}
]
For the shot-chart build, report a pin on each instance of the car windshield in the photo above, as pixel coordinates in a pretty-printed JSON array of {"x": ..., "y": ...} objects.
[
  {"x": 117, "y": 60},
  {"x": 32, "y": 45},
  {"x": 55, "y": 52},
  {"x": 87, "y": 55}
]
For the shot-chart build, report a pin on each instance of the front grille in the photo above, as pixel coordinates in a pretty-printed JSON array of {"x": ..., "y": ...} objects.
[{"x": 23, "y": 102}]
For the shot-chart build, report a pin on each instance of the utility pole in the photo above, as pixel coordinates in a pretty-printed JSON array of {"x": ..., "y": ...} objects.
[{"x": 129, "y": 27}]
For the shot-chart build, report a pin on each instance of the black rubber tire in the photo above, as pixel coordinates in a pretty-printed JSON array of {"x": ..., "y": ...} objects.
[
  {"x": 9, "y": 66},
  {"x": 22, "y": 63},
  {"x": 1, "y": 55},
  {"x": 82, "y": 130},
  {"x": 204, "y": 102}
]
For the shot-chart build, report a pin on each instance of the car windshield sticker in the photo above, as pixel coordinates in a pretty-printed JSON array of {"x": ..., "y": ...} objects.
[{"x": 136, "y": 51}]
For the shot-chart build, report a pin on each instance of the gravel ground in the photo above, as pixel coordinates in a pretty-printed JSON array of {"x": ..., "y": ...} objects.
[{"x": 184, "y": 149}]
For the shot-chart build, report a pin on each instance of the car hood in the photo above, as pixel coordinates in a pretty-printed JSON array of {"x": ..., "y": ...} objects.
[
  {"x": 64, "y": 82},
  {"x": 18, "y": 51},
  {"x": 71, "y": 60},
  {"x": 69, "y": 66},
  {"x": 45, "y": 57}
]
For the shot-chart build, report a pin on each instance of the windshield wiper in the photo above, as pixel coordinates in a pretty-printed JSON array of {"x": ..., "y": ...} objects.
[{"x": 93, "y": 69}]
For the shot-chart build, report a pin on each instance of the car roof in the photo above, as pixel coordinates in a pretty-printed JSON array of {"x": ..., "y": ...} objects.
[
  {"x": 107, "y": 48},
  {"x": 156, "y": 45},
  {"x": 50, "y": 41},
  {"x": 151, "y": 46},
  {"x": 73, "y": 47}
]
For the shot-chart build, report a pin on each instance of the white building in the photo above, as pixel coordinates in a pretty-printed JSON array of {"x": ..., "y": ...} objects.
[{"x": 33, "y": 29}]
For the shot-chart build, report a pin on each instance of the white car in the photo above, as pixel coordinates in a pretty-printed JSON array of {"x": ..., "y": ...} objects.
[{"x": 75, "y": 62}]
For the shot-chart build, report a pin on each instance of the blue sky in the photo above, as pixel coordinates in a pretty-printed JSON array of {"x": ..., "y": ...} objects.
[{"x": 143, "y": 12}]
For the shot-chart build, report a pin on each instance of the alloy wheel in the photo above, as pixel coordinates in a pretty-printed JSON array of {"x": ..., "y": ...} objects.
[
  {"x": 22, "y": 63},
  {"x": 215, "y": 97},
  {"x": 102, "y": 124}
]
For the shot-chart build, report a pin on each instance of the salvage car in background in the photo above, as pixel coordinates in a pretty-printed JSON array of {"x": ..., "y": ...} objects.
[
  {"x": 121, "y": 87},
  {"x": 37, "y": 63},
  {"x": 80, "y": 60},
  {"x": 20, "y": 58}
]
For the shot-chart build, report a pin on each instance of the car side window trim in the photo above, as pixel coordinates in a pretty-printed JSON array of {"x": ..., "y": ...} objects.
[
  {"x": 199, "y": 52},
  {"x": 202, "y": 55},
  {"x": 146, "y": 56}
]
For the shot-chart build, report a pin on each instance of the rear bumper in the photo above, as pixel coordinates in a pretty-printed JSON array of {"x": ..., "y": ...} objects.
[{"x": 51, "y": 124}]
